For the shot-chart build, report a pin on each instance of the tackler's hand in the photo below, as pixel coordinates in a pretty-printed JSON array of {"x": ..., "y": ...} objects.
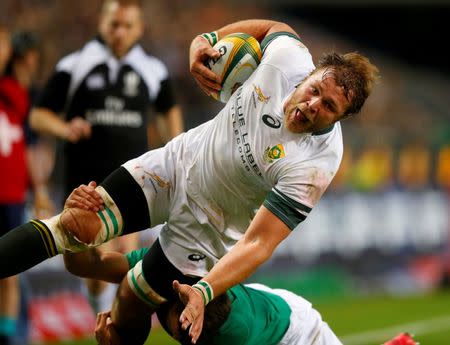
[
  {"x": 193, "y": 313},
  {"x": 105, "y": 332},
  {"x": 86, "y": 198}
]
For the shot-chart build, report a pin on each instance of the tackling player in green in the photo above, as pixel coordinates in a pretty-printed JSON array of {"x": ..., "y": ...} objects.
[{"x": 250, "y": 314}]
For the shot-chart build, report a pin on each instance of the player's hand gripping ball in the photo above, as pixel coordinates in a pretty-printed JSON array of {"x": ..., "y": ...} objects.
[{"x": 240, "y": 54}]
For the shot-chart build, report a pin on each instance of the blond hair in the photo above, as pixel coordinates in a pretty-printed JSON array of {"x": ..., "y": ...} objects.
[{"x": 354, "y": 73}]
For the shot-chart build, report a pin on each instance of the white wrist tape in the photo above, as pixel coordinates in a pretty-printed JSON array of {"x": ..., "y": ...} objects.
[
  {"x": 211, "y": 37},
  {"x": 205, "y": 290}
]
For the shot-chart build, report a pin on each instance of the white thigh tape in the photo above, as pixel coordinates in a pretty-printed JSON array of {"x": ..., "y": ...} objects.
[
  {"x": 140, "y": 287},
  {"x": 112, "y": 222}
]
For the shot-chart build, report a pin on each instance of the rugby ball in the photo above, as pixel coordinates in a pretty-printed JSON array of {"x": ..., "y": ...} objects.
[{"x": 240, "y": 54}]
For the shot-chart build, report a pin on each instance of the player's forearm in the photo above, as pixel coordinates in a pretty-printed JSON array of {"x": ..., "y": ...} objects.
[
  {"x": 264, "y": 234},
  {"x": 107, "y": 266},
  {"x": 258, "y": 28},
  {"x": 83, "y": 264},
  {"x": 45, "y": 121},
  {"x": 236, "y": 266}
]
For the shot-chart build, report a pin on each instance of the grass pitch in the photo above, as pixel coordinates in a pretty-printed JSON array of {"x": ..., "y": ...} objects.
[{"x": 369, "y": 320}]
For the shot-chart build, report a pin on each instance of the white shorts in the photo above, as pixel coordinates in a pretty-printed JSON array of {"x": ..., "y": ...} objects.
[{"x": 163, "y": 178}]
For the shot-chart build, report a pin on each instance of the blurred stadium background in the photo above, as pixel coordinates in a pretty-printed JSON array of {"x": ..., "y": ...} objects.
[{"x": 374, "y": 256}]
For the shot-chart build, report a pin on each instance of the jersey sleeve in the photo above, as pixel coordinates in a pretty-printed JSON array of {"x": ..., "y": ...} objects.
[
  {"x": 301, "y": 183},
  {"x": 135, "y": 256},
  {"x": 288, "y": 54},
  {"x": 54, "y": 95},
  {"x": 166, "y": 97}
]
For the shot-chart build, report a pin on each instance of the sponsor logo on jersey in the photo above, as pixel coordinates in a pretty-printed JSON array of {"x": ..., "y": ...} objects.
[
  {"x": 131, "y": 84},
  {"x": 241, "y": 135},
  {"x": 114, "y": 103},
  {"x": 274, "y": 153},
  {"x": 196, "y": 257},
  {"x": 115, "y": 114},
  {"x": 260, "y": 94},
  {"x": 95, "y": 82}
]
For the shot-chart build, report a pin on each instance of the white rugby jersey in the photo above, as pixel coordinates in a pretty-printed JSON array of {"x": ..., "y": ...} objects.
[{"x": 246, "y": 157}]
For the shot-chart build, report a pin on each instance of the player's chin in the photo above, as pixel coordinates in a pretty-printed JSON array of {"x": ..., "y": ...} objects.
[{"x": 295, "y": 127}]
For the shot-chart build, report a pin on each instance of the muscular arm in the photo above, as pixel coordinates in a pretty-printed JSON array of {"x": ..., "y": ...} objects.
[
  {"x": 258, "y": 28},
  {"x": 107, "y": 266},
  {"x": 264, "y": 234},
  {"x": 200, "y": 50}
]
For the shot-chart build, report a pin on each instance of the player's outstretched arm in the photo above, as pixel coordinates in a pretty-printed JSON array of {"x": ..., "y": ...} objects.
[
  {"x": 264, "y": 234},
  {"x": 94, "y": 264}
]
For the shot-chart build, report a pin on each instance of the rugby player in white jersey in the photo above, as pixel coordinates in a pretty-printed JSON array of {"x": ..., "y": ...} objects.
[{"x": 274, "y": 148}]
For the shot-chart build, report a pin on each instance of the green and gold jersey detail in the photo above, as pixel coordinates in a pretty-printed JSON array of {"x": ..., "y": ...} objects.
[
  {"x": 269, "y": 38},
  {"x": 288, "y": 210}
]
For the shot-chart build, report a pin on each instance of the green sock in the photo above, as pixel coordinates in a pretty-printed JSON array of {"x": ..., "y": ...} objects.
[{"x": 24, "y": 247}]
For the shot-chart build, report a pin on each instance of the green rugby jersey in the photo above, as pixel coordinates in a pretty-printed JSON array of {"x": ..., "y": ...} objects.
[{"x": 242, "y": 325}]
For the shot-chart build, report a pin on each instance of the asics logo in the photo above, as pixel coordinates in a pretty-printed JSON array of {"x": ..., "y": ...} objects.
[{"x": 196, "y": 257}]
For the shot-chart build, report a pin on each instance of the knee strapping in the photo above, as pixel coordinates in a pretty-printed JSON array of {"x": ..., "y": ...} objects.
[
  {"x": 141, "y": 288},
  {"x": 76, "y": 230}
]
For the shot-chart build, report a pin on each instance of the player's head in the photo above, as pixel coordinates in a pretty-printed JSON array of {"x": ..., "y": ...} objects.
[
  {"x": 216, "y": 313},
  {"x": 336, "y": 89},
  {"x": 5, "y": 48},
  {"x": 121, "y": 24},
  {"x": 24, "y": 61}
]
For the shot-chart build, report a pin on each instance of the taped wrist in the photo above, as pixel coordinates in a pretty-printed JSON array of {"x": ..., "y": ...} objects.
[
  {"x": 211, "y": 37},
  {"x": 205, "y": 290}
]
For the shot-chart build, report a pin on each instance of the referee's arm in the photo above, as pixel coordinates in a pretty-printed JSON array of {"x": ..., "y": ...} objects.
[{"x": 165, "y": 105}]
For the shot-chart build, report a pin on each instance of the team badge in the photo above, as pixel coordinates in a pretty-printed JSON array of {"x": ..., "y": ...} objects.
[
  {"x": 95, "y": 82},
  {"x": 261, "y": 96},
  {"x": 274, "y": 153},
  {"x": 131, "y": 84}
]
